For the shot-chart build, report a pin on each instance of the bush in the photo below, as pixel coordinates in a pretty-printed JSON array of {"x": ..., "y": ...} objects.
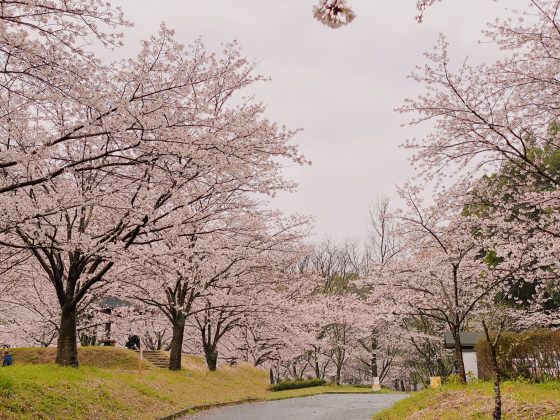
[
  {"x": 298, "y": 383},
  {"x": 533, "y": 355},
  {"x": 452, "y": 380}
]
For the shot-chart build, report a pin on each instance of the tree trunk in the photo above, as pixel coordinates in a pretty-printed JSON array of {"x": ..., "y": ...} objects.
[
  {"x": 67, "y": 348},
  {"x": 211, "y": 359},
  {"x": 373, "y": 357},
  {"x": 459, "y": 357},
  {"x": 497, "y": 413},
  {"x": 271, "y": 375},
  {"x": 338, "y": 370},
  {"x": 317, "y": 370},
  {"x": 176, "y": 349}
]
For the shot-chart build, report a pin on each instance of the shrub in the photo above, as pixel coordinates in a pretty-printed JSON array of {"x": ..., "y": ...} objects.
[
  {"x": 298, "y": 383},
  {"x": 452, "y": 380},
  {"x": 533, "y": 355}
]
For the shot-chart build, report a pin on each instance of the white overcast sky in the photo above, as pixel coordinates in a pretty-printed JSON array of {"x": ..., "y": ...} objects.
[{"x": 340, "y": 86}]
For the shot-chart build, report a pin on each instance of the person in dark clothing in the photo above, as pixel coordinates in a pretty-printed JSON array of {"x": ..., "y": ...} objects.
[
  {"x": 133, "y": 342},
  {"x": 7, "y": 360}
]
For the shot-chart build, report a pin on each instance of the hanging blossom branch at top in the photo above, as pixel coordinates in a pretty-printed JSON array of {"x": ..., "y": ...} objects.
[
  {"x": 336, "y": 13},
  {"x": 333, "y": 13}
]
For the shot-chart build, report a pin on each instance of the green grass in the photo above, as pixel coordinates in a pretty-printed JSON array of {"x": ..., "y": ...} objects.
[
  {"x": 521, "y": 400},
  {"x": 300, "y": 383},
  {"x": 103, "y": 357},
  {"x": 108, "y": 385},
  {"x": 327, "y": 389},
  {"x": 48, "y": 391},
  {"x": 33, "y": 389}
]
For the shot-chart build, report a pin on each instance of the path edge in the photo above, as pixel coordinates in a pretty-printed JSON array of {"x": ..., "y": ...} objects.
[{"x": 203, "y": 407}]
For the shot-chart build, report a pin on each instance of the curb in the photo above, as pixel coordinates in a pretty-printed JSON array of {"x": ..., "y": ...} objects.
[{"x": 203, "y": 407}]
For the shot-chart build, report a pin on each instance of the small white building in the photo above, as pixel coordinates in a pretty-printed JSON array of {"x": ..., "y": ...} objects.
[{"x": 468, "y": 343}]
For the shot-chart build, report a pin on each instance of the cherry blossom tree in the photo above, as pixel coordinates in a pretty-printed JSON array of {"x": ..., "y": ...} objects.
[
  {"x": 343, "y": 321},
  {"x": 492, "y": 113},
  {"x": 32, "y": 312},
  {"x": 185, "y": 145},
  {"x": 248, "y": 293},
  {"x": 275, "y": 336},
  {"x": 48, "y": 67},
  {"x": 231, "y": 245},
  {"x": 445, "y": 276},
  {"x": 495, "y": 129}
]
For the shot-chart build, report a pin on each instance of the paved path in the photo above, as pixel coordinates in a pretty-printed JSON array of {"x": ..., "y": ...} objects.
[{"x": 318, "y": 407}]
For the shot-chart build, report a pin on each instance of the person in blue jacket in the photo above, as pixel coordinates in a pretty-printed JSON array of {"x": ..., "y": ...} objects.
[{"x": 7, "y": 360}]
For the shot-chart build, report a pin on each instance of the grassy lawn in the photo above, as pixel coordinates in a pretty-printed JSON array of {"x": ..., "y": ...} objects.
[
  {"x": 108, "y": 386},
  {"x": 520, "y": 401}
]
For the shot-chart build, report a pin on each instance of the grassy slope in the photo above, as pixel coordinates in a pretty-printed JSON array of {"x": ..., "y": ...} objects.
[
  {"x": 108, "y": 386},
  {"x": 520, "y": 401}
]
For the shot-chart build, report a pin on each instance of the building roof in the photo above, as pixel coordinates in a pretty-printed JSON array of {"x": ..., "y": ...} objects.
[
  {"x": 110, "y": 302},
  {"x": 468, "y": 339}
]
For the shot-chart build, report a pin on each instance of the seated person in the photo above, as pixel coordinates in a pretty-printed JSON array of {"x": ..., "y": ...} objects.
[{"x": 133, "y": 342}]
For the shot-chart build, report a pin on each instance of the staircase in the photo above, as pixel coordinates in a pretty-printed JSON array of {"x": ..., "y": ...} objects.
[{"x": 157, "y": 358}]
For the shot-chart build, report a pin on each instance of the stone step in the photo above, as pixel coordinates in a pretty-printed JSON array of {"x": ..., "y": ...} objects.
[
  {"x": 161, "y": 365},
  {"x": 159, "y": 362},
  {"x": 157, "y": 358}
]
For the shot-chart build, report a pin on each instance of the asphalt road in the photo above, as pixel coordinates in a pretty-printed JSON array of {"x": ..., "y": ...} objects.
[{"x": 318, "y": 407}]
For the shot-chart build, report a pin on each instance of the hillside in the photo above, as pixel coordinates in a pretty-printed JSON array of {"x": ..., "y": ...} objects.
[
  {"x": 521, "y": 400},
  {"x": 108, "y": 385}
]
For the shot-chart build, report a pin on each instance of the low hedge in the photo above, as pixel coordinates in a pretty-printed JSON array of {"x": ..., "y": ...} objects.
[
  {"x": 298, "y": 383},
  {"x": 533, "y": 355}
]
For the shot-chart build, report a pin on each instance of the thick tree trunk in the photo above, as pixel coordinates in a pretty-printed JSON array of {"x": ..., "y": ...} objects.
[
  {"x": 176, "y": 350},
  {"x": 317, "y": 370},
  {"x": 211, "y": 359},
  {"x": 67, "y": 348},
  {"x": 271, "y": 375},
  {"x": 459, "y": 357}
]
